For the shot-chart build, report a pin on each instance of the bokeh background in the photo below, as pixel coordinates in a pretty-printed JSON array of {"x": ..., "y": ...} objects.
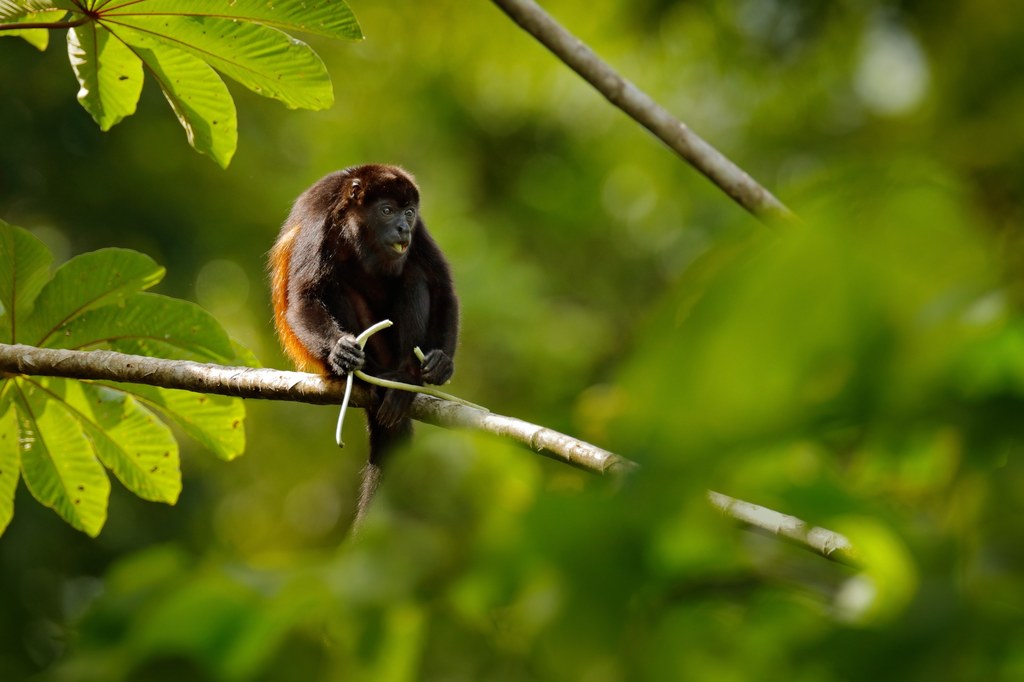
[{"x": 863, "y": 370}]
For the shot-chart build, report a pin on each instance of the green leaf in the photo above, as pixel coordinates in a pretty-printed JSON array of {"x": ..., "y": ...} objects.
[
  {"x": 38, "y": 38},
  {"x": 330, "y": 18},
  {"x": 8, "y": 464},
  {"x": 180, "y": 44},
  {"x": 13, "y": 10},
  {"x": 148, "y": 324},
  {"x": 31, "y": 11},
  {"x": 57, "y": 460},
  {"x": 263, "y": 59},
  {"x": 96, "y": 300},
  {"x": 195, "y": 92},
  {"x": 24, "y": 269},
  {"x": 128, "y": 438},
  {"x": 215, "y": 421},
  {"x": 86, "y": 282},
  {"x": 109, "y": 73}
]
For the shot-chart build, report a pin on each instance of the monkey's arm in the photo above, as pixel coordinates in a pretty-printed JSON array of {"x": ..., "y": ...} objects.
[
  {"x": 322, "y": 337},
  {"x": 412, "y": 320},
  {"x": 438, "y": 362},
  {"x": 442, "y": 328}
]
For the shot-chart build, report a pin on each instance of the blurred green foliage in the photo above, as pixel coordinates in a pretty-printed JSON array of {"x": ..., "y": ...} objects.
[{"x": 864, "y": 370}]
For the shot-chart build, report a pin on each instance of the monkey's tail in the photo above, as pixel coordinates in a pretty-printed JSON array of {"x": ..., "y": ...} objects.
[
  {"x": 371, "y": 476},
  {"x": 383, "y": 441}
]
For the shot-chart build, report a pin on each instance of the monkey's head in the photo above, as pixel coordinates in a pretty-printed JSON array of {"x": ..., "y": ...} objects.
[{"x": 378, "y": 211}]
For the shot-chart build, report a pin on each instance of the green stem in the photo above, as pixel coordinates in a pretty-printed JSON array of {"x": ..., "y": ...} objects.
[
  {"x": 370, "y": 331},
  {"x": 361, "y": 340},
  {"x": 387, "y": 383},
  {"x": 413, "y": 388}
]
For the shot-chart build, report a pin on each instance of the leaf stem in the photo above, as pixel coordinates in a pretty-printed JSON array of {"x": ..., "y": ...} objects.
[{"x": 45, "y": 24}]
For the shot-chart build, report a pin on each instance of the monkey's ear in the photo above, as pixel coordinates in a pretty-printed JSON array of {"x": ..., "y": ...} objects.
[
  {"x": 351, "y": 196},
  {"x": 355, "y": 191}
]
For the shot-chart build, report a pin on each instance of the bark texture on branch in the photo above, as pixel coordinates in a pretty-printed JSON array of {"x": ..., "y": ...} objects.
[
  {"x": 729, "y": 177},
  {"x": 273, "y": 384},
  {"x": 241, "y": 382}
]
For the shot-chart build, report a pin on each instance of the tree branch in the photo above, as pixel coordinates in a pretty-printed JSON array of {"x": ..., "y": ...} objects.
[
  {"x": 729, "y": 177},
  {"x": 829, "y": 544},
  {"x": 273, "y": 384}
]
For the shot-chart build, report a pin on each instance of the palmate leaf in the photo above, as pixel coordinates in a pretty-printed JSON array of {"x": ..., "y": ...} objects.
[
  {"x": 65, "y": 431},
  {"x": 263, "y": 59},
  {"x": 328, "y": 18},
  {"x": 109, "y": 73},
  {"x": 88, "y": 281},
  {"x": 24, "y": 269},
  {"x": 148, "y": 324},
  {"x": 180, "y": 43},
  {"x": 128, "y": 438},
  {"x": 57, "y": 460},
  {"x": 215, "y": 421},
  {"x": 196, "y": 94}
]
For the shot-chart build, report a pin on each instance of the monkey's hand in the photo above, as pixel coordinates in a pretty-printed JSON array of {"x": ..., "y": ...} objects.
[
  {"x": 437, "y": 367},
  {"x": 346, "y": 356}
]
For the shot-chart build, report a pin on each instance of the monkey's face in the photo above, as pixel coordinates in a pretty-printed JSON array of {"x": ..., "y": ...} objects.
[{"x": 389, "y": 224}]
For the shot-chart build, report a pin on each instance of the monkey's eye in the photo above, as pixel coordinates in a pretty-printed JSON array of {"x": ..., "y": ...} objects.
[
  {"x": 409, "y": 213},
  {"x": 386, "y": 210}
]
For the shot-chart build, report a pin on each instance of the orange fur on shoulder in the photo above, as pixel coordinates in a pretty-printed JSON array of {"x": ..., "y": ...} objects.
[{"x": 280, "y": 257}]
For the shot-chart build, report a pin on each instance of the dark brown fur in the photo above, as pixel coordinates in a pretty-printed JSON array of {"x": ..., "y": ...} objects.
[{"x": 335, "y": 270}]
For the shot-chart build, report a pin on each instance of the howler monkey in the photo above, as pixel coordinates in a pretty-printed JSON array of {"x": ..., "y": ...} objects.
[{"x": 353, "y": 252}]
